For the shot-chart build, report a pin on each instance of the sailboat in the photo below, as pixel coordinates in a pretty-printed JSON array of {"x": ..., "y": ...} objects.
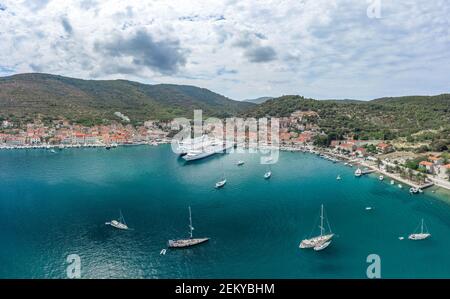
[
  {"x": 422, "y": 235},
  {"x": 119, "y": 224},
  {"x": 338, "y": 177},
  {"x": 187, "y": 242},
  {"x": 318, "y": 242},
  {"x": 223, "y": 181},
  {"x": 358, "y": 172}
]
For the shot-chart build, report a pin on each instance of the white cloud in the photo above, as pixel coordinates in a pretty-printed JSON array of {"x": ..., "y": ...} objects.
[{"x": 242, "y": 49}]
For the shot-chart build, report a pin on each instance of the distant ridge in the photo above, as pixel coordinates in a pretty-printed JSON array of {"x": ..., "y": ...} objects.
[{"x": 24, "y": 97}]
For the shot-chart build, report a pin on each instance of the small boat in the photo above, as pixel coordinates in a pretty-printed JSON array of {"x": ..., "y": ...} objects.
[
  {"x": 119, "y": 224},
  {"x": 422, "y": 235},
  {"x": 322, "y": 246},
  {"x": 240, "y": 163},
  {"x": 53, "y": 151},
  {"x": 358, "y": 172},
  {"x": 221, "y": 183},
  {"x": 267, "y": 175},
  {"x": 322, "y": 238},
  {"x": 346, "y": 163},
  {"x": 163, "y": 252},
  {"x": 400, "y": 186},
  {"x": 420, "y": 190},
  {"x": 381, "y": 177},
  {"x": 108, "y": 147},
  {"x": 392, "y": 182},
  {"x": 338, "y": 178},
  {"x": 413, "y": 190},
  {"x": 181, "y": 243},
  {"x": 368, "y": 208},
  {"x": 401, "y": 238},
  {"x": 350, "y": 165}
]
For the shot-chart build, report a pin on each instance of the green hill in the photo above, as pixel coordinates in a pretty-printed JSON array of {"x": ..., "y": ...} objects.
[
  {"x": 384, "y": 118},
  {"x": 26, "y": 96}
]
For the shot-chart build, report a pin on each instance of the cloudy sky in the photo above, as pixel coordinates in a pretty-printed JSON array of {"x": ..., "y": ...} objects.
[{"x": 242, "y": 49}]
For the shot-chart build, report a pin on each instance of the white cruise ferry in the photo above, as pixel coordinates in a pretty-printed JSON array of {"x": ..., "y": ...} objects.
[
  {"x": 192, "y": 144},
  {"x": 215, "y": 147}
]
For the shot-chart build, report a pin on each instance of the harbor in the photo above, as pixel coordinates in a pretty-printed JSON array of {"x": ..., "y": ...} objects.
[{"x": 254, "y": 225}]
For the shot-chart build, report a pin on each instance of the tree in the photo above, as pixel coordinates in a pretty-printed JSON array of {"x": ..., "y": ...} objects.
[
  {"x": 410, "y": 174},
  {"x": 378, "y": 163},
  {"x": 320, "y": 140}
]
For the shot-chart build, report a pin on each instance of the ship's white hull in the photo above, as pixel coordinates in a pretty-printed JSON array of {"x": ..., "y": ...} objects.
[
  {"x": 221, "y": 184},
  {"x": 196, "y": 155},
  {"x": 419, "y": 236},
  {"x": 322, "y": 246},
  {"x": 316, "y": 241},
  {"x": 118, "y": 225},
  {"x": 186, "y": 242}
]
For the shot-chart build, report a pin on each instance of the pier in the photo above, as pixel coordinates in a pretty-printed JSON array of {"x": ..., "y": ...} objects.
[{"x": 398, "y": 178}]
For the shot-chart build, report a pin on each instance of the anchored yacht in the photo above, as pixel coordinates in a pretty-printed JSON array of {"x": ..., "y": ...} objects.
[
  {"x": 181, "y": 243},
  {"x": 422, "y": 235},
  {"x": 119, "y": 224},
  {"x": 318, "y": 242}
]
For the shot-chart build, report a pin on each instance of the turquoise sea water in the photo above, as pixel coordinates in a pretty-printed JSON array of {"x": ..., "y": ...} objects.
[{"x": 53, "y": 205}]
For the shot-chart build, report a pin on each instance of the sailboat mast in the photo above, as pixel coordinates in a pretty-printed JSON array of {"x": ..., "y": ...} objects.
[
  {"x": 421, "y": 230},
  {"x": 190, "y": 222},
  {"x": 321, "y": 220}
]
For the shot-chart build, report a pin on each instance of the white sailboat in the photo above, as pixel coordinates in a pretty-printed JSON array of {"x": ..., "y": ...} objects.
[
  {"x": 358, "y": 172},
  {"x": 338, "y": 178},
  {"x": 392, "y": 182},
  {"x": 381, "y": 177},
  {"x": 119, "y": 224},
  {"x": 422, "y": 235},
  {"x": 180, "y": 243},
  {"x": 223, "y": 181},
  {"x": 267, "y": 175},
  {"x": 318, "y": 241}
]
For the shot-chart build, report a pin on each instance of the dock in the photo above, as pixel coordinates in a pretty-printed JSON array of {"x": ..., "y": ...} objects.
[
  {"x": 367, "y": 171},
  {"x": 398, "y": 178}
]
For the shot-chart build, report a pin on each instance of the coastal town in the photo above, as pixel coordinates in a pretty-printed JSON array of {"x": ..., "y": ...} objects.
[
  {"x": 296, "y": 133},
  {"x": 63, "y": 134}
]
